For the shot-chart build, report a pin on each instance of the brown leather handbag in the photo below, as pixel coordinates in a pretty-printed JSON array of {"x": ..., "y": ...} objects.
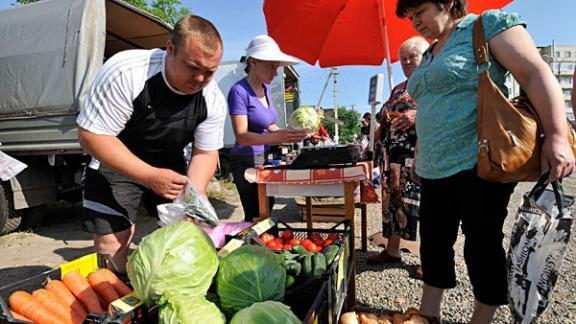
[{"x": 510, "y": 133}]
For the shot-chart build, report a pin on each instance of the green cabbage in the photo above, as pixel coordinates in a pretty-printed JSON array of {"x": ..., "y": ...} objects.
[
  {"x": 248, "y": 275},
  {"x": 265, "y": 313},
  {"x": 178, "y": 258},
  {"x": 185, "y": 309},
  {"x": 305, "y": 117}
]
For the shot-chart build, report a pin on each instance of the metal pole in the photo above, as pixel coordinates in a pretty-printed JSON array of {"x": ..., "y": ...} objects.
[
  {"x": 387, "y": 46},
  {"x": 372, "y": 126},
  {"x": 323, "y": 90},
  {"x": 335, "y": 76}
]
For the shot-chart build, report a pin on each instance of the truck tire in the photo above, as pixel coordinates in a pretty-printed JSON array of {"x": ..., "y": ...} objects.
[{"x": 9, "y": 218}]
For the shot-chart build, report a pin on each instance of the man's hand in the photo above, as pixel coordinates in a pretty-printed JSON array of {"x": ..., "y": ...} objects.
[
  {"x": 404, "y": 122},
  {"x": 166, "y": 183}
]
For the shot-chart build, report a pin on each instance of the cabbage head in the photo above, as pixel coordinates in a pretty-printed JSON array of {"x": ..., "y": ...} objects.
[
  {"x": 178, "y": 258},
  {"x": 248, "y": 275},
  {"x": 265, "y": 313},
  {"x": 185, "y": 309},
  {"x": 305, "y": 117}
]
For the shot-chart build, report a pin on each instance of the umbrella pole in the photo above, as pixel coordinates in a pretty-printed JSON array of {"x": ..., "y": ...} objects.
[{"x": 387, "y": 46}]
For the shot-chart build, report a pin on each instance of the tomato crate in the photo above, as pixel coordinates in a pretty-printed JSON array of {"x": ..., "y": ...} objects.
[
  {"x": 319, "y": 299},
  {"x": 124, "y": 310}
]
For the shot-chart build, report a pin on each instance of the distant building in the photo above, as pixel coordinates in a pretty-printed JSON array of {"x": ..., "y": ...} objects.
[{"x": 562, "y": 60}]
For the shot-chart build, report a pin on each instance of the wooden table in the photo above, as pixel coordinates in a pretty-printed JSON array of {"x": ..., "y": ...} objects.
[{"x": 337, "y": 182}]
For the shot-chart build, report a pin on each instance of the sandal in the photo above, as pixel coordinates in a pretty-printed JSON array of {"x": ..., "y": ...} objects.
[{"x": 382, "y": 258}]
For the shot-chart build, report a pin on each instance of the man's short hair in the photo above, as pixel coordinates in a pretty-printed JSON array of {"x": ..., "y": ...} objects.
[
  {"x": 196, "y": 26},
  {"x": 418, "y": 43}
]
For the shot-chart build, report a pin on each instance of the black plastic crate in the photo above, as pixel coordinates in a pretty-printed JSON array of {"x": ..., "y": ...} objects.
[
  {"x": 85, "y": 265},
  {"x": 319, "y": 299}
]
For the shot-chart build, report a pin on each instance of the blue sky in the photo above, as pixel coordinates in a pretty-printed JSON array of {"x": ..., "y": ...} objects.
[{"x": 240, "y": 20}]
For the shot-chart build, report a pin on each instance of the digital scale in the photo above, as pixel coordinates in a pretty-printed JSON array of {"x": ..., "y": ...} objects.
[{"x": 315, "y": 157}]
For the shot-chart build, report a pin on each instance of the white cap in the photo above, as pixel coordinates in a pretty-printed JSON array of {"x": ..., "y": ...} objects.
[{"x": 263, "y": 47}]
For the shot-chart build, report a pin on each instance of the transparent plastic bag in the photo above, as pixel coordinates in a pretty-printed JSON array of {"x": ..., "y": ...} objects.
[{"x": 188, "y": 204}]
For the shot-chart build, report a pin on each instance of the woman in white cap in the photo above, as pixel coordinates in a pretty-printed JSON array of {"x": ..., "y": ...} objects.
[{"x": 254, "y": 116}]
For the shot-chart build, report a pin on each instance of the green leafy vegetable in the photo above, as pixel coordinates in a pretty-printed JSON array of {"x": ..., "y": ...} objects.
[
  {"x": 265, "y": 313},
  {"x": 248, "y": 275},
  {"x": 307, "y": 118},
  {"x": 185, "y": 309},
  {"x": 178, "y": 258}
]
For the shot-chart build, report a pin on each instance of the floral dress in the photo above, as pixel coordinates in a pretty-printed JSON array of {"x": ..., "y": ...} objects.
[{"x": 401, "y": 196}]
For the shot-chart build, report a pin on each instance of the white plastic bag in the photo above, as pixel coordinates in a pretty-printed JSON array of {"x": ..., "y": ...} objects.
[
  {"x": 9, "y": 166},
  {"x": 188, "y": 204}
]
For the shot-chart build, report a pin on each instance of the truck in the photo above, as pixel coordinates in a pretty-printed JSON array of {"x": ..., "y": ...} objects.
[
  {"x": 285, "y": 95},
  {"x": 52, "y": 51}
]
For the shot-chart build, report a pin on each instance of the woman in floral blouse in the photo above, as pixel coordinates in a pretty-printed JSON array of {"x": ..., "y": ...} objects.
[{"x": 397, "y": 135}]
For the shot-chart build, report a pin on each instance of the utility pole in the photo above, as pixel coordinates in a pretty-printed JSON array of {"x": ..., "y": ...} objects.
[{"x": 335, "y": 76}]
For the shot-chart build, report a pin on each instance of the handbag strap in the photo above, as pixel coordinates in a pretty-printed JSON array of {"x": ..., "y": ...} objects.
[
  {"x": 480, "y": 45},
  {"x": 541, "y": 185}
]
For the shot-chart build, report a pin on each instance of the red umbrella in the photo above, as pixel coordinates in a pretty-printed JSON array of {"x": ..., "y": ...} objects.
[{"x": 344, "y": 32}]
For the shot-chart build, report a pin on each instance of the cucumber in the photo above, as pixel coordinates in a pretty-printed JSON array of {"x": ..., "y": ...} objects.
[
  {"x": 290, "y": 280},
  {"x": 330, "y": 252},
  {"x": 319, "y": 261},
  {"x": 293, "y": 268},
  {"x": 288, "y": 255},
  {"x": 307, "y": 267},
  {"x": 299, "y": 249}
]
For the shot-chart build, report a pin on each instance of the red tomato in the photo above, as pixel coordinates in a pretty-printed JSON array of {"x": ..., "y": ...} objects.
[
  {"x": 294, "y": 241},
  {"x": 287, "y": 235},
  {"x": 306, "y": 242},
  {"x": 279, "y": 241},
  {"x": 274, "y": 245},
  {"x": 317, "y": 249},
  {"x": 311, "y": 247},
  {"x": 266, "y": 237},
  {"x": 315, "y": 236},
  {"x": 333, "y": 236},
  {"x": 287, "y": 247},
  {"x": 327, "y": 242}
]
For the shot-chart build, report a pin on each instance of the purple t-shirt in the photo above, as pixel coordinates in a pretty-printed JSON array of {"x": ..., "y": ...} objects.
[{"x": 242, "y": 100}]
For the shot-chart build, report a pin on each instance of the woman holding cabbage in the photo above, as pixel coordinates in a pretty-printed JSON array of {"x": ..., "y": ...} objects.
[{"x": 254, "y": 117}]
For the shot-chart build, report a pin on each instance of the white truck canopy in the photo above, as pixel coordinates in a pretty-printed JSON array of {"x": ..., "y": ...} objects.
[{"x": 52, "y": 50}]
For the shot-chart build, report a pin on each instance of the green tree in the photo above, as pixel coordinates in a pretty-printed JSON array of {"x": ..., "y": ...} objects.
[
  {"x": 350, "y": 124},
  {"x": 167, "y": 10}
]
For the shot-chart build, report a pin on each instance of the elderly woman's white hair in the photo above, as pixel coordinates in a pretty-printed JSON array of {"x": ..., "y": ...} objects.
[{"x": 417, "y": 42}]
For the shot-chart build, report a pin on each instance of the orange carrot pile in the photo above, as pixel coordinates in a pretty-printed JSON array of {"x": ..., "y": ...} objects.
[{"x": 69, "y": 301}]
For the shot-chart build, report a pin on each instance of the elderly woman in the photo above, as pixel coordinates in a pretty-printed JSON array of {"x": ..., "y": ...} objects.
[
  {"x": 254, "y": 117},
  {"x": 397, "y": 136},
  {"x": 445, "y": 87}
]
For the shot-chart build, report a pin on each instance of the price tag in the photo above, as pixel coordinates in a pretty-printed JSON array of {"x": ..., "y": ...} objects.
[
  {"x": 126, "y": 304},
  {"x": 340, "y": 275},
  {"x": 231, "y": 246},
  {"x": 263, "y": 226}
]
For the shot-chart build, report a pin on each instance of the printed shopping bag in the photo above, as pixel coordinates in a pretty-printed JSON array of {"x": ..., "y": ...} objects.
[{"x": 537, "y": 246}]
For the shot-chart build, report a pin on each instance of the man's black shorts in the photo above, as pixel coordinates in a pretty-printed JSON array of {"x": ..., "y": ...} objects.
[{"x": 111, "y": 201}]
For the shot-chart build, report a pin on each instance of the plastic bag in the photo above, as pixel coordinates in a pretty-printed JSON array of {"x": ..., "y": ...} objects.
[
  {"x": 537, "y": 246},
  {"x": 188, "y": 204},
  {"x": 218, "y": 233}
]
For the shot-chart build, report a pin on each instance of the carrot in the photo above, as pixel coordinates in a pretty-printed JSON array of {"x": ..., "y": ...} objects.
[
  {"x": 20, "y": 317},
  {"x": 82, "y": 290},
  {"x": 56, "y": 306},
  {"x": 121, "y": 288},
  {"x": 98, "y": 282},
  {"x": 23, "y": 303},
  {"x": 59, "y": 289}
]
